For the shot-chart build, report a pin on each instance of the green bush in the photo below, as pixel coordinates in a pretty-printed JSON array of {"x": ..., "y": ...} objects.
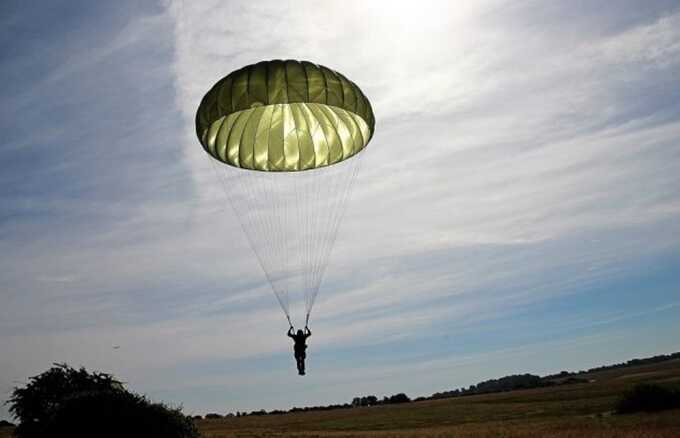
[
  {"x": 35, "y": 404},
  {"x": 68, "y": 402},
  {"x": 648, "y": 397},
  {"x": 115, "y": 414}
]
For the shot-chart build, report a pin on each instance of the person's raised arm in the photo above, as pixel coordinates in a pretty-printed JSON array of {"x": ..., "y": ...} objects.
[
  {"x": 308, "y": 332},
  {"x": 290, "y": 332}
]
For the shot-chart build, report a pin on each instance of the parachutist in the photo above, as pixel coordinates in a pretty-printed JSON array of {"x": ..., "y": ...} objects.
[
  {"x": 300, "y": 339},
  {"x": 290, "y": 135}
]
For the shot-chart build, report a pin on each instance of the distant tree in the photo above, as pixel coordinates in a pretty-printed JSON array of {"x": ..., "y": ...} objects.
[
  {"x": 445, "y": 394},
  {"x": 399, "y": 398},
  {"x": 212, "y": 416},
  {"x": 507, "y": 383},
  {"x": 369, "y": 400},
  {"x": 197, "y": 417}
]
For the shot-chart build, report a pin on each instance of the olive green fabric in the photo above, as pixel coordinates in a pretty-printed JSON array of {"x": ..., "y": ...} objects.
[{"x": 284, "y": 116}]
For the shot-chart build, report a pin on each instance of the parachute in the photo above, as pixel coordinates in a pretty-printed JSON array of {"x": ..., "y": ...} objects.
[{"x": 287, "y": 137}]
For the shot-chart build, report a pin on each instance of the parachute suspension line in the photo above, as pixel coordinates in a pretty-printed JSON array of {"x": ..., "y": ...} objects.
[
  {"x": 329, "y": 193},
  {"x": 339, "y": 213},
  {"x": 287, "y": 214},
  {"x": 311, "y": 228},
  {"x": 266, "y": 240},
  {"x": 313, "y": 188},
  {"x": 252, "y": 185},
  {"x": 291, "y": 221},
  {"x": 274, "y": 238},
  {"x": 340, "y": 183},
  {"x": 259, "y": 186},
  {"x": 321, "y": 201},
  {"x": 260, "y": 226},
  {"x": 302, "y": 198},
  {"x": 320, "y": 187},
  {"x": 300, "y": 208},
  {"x": 276, "y": 233},
  {"x": 266, "y": 207},
  {"x": 222, "y": 177}
]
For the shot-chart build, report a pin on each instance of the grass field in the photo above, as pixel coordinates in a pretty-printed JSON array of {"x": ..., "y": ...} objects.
[{"x": 579, "y": 411}]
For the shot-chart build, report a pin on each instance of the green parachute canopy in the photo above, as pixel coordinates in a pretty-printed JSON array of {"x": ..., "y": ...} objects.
[{"x": 284, "y": 116}]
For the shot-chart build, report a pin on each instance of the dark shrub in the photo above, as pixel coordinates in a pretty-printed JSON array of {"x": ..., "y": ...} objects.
[
  {"x": 647, "y": 397},
  {"x": 37, "y": 402},
  {"x": 397, "y": 398},
  {"x": 115, "y": 414},
  {"x": 66, "y": 402},
  {"x": 4, "y": 423}
]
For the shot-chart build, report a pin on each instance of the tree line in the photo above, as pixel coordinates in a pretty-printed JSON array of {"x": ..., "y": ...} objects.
[
  {"x": 629, "y": 363},
  {"x": 364, "y": 401}
]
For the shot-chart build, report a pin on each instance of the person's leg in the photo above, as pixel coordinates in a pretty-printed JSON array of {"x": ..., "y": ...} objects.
[{"x": 298, "y": 360}]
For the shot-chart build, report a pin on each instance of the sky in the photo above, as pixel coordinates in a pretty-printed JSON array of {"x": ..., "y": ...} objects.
[{"x": 516, "y": 210}]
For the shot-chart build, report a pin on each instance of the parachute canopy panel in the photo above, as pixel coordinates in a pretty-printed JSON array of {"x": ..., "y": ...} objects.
[{"x": 284, "y": 116}]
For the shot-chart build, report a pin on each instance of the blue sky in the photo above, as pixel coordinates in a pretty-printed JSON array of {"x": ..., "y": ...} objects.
[{"x": 516, "y": 211}]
